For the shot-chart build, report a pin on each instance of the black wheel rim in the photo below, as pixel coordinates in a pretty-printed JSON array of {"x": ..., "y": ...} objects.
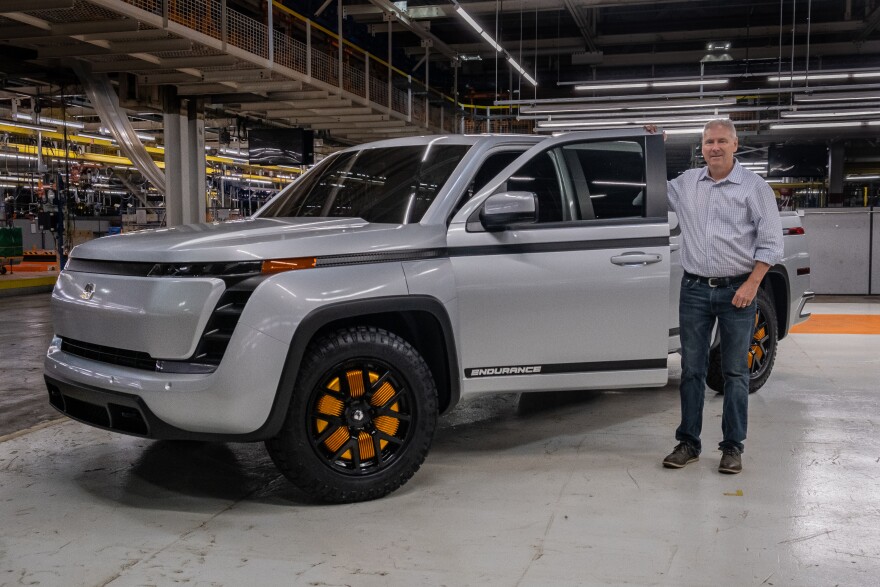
[
  {"x": 759, "y": 350},
  {"x": 360, "y": 417}
]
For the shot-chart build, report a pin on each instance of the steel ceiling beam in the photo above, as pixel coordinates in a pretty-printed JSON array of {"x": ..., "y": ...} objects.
[{"x": 405, "y": 20}]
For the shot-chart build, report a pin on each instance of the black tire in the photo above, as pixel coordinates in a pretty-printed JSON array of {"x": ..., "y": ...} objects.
[
  {"x": 762, "y": 353},
  {"x": 361, "y": 418}
]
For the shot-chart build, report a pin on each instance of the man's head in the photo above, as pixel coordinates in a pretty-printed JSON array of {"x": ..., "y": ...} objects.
[{"x": 719, "y": 145}]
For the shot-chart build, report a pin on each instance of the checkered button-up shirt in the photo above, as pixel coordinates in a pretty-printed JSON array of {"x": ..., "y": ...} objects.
[{"x": 726, "y": 225}]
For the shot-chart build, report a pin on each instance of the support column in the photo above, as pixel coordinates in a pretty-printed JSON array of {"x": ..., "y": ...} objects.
[
  {"x": 835, "y": 172},
  {"x": 184, "y": 160},
  {"x": 173, "y": 165},
  {"x": 195, "y": 208}
]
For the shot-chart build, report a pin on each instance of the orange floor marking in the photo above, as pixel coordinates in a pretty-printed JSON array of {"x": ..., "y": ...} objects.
[{"x": 839, "y": 324}]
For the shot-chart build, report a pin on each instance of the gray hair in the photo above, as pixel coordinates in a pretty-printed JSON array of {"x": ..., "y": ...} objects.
[{"x": 725, "y": 122}]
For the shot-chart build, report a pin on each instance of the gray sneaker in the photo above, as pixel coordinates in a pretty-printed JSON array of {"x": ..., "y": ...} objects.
[
  {"x": 731, "y": 461},
  {"x": 680, "y": 456}
]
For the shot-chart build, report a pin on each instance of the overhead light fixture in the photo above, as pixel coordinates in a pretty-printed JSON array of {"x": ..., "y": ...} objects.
[
  {"x": 622, "y": 86},
  {"x": 44, "y": 120},
  {"x": 522, "y": 72},
  {"x": 694, "y": 104},
  {"x": 838, "y": 97},
  {"x": 694, "y": 82},
  {"x": 725, "y": 46},
  {"x": 630, "y": 121},
  {"x": 858, "y": 177},
  {"x": 39, "y": 127},
  {"x": 491, "y": 41},
  {"x": 581, "y": 124},
  {"x": 652, "y": 84},
  {"x": 86, "y": 135},
  {"x": 818, "y": 125},
  {"x": 684, "y": 131},
  {"x": 804, "y": 77},
  {"x": 866, "y": 74},
  {"x": 829, "y": 114},
  {"x": 468, "y": 18}
]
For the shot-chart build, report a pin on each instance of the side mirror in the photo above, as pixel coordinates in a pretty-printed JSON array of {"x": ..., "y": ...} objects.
[{"x": 501, "y": 210}]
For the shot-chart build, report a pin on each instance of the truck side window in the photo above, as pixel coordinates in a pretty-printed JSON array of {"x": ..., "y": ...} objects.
[
  {"x": 608, "y": 178},
  {"x": 540, "y": 176},
  {"x": 491, "y": 167}
]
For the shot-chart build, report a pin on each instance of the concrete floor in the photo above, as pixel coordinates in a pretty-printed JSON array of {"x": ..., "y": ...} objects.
[{"x": 562, "y": 489}]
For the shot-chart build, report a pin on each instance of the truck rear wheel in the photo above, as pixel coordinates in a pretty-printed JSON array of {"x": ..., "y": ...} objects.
[
  {"x": 361, "y": 418},
  {"x": 762, "y": 351}
]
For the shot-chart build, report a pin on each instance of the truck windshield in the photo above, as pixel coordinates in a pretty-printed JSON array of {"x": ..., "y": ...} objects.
[{"x": 390, "y": 185}]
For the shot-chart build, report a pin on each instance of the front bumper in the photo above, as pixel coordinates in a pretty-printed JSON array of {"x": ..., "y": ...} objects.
[{"x": 235, "y": 402}]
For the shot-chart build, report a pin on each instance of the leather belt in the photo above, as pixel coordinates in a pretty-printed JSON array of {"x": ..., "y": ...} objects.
[{"x": 718, "y": 281}]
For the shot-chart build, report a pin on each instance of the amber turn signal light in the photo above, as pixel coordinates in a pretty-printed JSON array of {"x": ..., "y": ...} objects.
[{"x": 279, "y": 265}]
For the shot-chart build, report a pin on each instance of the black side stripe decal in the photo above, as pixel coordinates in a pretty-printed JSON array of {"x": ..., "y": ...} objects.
[
  {"x": 488, "y": 250},
  {"x": 243, "y": 269},
  {"x": 557, "y": 368}
]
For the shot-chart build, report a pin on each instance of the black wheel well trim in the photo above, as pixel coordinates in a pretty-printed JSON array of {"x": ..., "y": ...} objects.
[
  {"x": 319, "y": 318},
  {"x": 777, "y": 283}
]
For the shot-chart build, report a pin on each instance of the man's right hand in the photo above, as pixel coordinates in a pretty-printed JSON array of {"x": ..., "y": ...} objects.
[{"x": 652, "y": 128}]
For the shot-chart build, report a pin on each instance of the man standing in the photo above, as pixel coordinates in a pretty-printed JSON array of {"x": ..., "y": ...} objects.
[{"x": 731, "y": 235}]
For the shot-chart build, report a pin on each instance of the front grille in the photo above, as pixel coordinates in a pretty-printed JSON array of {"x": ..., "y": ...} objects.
[{"x": 209, "y": 351}]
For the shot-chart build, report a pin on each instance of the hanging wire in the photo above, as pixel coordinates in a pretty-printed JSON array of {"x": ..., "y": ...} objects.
[
  {"x": 779, "y": 72},
  {"x": 807, "y": 65}
]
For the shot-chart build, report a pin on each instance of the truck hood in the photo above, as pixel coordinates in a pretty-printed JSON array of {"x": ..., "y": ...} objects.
[{"x": 260, "y": 238}]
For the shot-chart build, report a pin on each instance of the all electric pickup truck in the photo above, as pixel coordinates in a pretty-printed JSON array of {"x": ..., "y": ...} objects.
[{"x": 381, "y": 287}]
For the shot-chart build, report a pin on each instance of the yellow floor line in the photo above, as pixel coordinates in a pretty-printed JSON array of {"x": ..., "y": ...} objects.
[
  {"x": 34, "y": 428},
  {"x": 839, "y": 324}
]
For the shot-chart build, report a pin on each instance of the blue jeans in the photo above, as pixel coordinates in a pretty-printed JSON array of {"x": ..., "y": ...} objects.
[{"x": 700, "y": 305}]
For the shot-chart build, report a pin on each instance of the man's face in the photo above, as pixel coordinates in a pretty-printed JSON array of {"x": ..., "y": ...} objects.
[{"x": 719, "y": 145}]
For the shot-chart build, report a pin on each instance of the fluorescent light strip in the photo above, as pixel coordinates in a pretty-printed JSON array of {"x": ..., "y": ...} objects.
[
  {"x": 818, "y": 125},
  {"x": 684, "y": 131},
  {"x": 867, "y": 74},
  {"x": 86, "y": 135},
  {"x": 467, "y": 17},
  {"x": 800, "y": 78},
  {"x": 656, "y": 84},
  {"x": 27, "y": 126},
  {"x": 44, "y": 120},
  {"x": 612, "y": 86},
  {"x": 829, "y": 114},
  {"x": 836, "y": 98},
  {"x": 857, "y": 177},
  {"x": 543, "y": 124},
  {"x": 522, "y": 72},
  {"x": 491, "y": 41},
  {"x": 708, "y": 82}
]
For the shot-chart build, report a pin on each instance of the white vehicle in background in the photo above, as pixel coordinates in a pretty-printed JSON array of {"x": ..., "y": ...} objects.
[{"x": 381, "y": 287}]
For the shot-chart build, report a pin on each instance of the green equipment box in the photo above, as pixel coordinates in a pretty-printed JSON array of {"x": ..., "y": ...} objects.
[{"x": 10, "y": 242}]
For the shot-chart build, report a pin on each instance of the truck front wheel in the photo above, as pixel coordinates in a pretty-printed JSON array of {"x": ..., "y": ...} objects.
[
  {"x": 762, "y": 351},
  {"x": 361, "y": 418}
]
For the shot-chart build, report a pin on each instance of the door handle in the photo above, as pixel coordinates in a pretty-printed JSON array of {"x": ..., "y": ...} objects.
[{"x": 635, "y": 259}]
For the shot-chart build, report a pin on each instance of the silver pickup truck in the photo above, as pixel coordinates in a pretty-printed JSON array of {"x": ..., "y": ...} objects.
[{"x": 382, "y": 286}]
